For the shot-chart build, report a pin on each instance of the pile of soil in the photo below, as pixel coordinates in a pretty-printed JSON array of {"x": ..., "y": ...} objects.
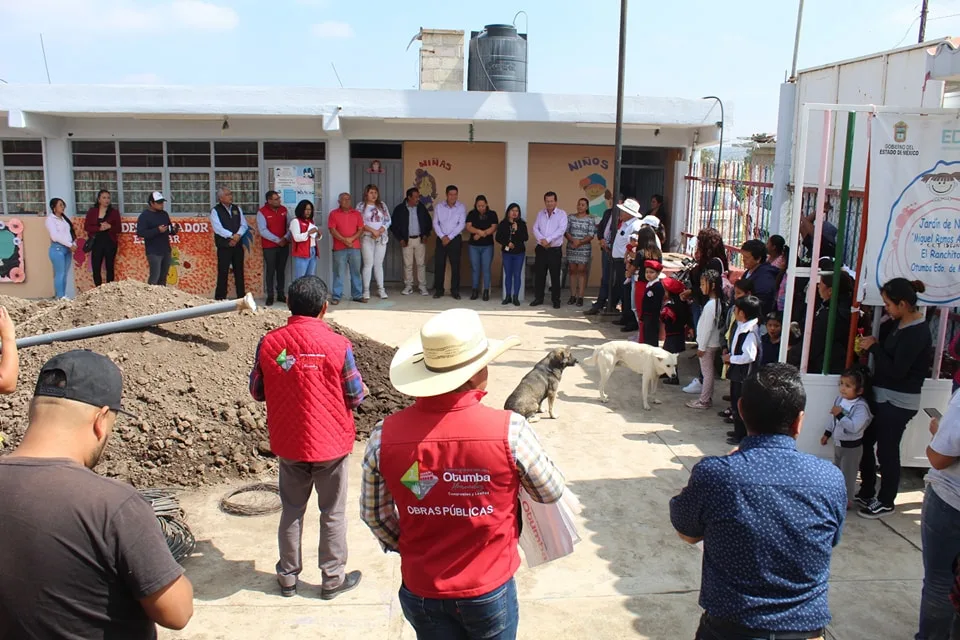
[{"x": 187, "y": 383}]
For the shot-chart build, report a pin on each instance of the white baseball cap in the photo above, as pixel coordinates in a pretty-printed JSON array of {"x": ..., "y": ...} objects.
[{"x": 156, "y": 196}]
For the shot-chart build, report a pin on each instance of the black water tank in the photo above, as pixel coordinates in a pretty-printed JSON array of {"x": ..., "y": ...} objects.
[{"x": 498, "y": 59}]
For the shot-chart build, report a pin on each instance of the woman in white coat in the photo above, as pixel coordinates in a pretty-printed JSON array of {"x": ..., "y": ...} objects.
[{"x": 373, "y": 242}]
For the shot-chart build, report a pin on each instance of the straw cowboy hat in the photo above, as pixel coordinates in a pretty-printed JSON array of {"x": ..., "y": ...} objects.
[
  {"x": 447, "y": 351},
  {"x": 632, "y": 207}
]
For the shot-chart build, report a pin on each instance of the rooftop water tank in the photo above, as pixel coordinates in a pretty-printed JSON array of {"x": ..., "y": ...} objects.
[{"x": 498, "y": 59}]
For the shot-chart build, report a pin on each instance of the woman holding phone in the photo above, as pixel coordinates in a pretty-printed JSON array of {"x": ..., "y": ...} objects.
[
  {"x": 306, "y": 236},
  {"x": 901, "y": 363}
]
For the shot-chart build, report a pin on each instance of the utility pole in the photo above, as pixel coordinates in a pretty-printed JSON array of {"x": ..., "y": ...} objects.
[
  {"x": 618, "y": 141},
  {"x": 923, "y": 20}
]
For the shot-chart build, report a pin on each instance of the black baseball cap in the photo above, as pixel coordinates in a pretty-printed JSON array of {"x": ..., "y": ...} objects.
[{"x": 90, "y": 378}]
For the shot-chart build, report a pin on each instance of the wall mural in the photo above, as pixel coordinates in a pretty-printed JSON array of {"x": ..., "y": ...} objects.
[{"x": 11, "y": 251}]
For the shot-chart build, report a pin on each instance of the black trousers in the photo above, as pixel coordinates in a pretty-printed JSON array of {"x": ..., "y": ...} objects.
[
  {"x": 736, "y": 390},
  {"x": 619, "y": 274},
  {"x": 103, "y": 252},
  {"x": 547, "y": 259},
  {"x": 229, "y": 257},
  {"x": 441, "y": 256},
  {"x": 885, "y": 432},
  {"x": 275, "y": 264}
]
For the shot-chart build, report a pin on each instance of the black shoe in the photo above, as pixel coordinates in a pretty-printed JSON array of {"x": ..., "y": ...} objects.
[
  {"x": 726, "y": 398},
  {"x": 594, "y": 310},
  {"x": 288, "y": 592},
  {"x": 725, "y": 413},
  {"x": 281, "y": 298},
  {"x": 729, "y": 420},
  {"x": 350, "y": 581},
  {"x": 556, "y": 304},
  {"x": 474, "y": 294},
  {"x": 579, "y": 302},
  {"x": 269, "y": 301},
  {"x": 674, "y": 381},
  {"x": 862, "y": 502},
  {"x": 506, "y": 300},
  {"x": 572, "y": 300},
  {"x": 731, "y": 434},
  {"x": 438, "y": 294},
  {"x": 627, "y": 328},
  {"x": 536, "y": 303},
  {"x": 455, "y": 296},
  {"x": 486, "y": 295},
  {"x": 733, "y": 440},
  {"x": 516, "y": 301},
  {"x": 618, "y": 321}
]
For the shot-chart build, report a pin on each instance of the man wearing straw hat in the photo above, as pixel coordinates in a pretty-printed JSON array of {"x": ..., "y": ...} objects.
[{"x": 441, "y": 481}]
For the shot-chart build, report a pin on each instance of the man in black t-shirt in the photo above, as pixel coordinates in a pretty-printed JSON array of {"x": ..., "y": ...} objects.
[{"x": 82, "y": 556}]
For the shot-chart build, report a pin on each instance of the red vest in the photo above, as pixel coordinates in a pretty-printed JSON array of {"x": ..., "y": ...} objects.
[
  {"x": 276, "y": 224},
  {"x": 307, "y": 415},
  {"x": 447, "y": 463},
  {"x": 302, "y": 249}
]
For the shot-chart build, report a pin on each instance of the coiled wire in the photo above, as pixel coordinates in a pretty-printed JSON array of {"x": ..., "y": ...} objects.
[{"x": 166, "y": 507}]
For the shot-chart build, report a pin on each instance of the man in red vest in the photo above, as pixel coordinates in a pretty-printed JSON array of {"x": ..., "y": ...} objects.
[
  {"x": 441, "y": 481},
  {"x": 307, "y": 375},
  {"x": 272, "y": 225}
]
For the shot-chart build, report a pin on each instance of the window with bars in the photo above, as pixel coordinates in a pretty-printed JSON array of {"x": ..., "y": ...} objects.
[
  {"x": 190, "y": 193},
  {"x": 245, "y": 186},
  {"x": 137, "y": 188},
  {"x": 86, "y": 184},
  {"x": 22, "y": 188}
]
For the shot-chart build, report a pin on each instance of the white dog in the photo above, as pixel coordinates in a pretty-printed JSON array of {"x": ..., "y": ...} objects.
[{"x": 650, "y": 362}]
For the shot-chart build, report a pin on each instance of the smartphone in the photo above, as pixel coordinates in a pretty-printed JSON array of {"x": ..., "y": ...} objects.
[{"x": 933, "y": 413}]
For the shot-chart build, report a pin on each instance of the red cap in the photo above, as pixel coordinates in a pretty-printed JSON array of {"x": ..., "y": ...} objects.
[
  {"x": 652, "y": 264},
  {"x": 672, "y": 285}
]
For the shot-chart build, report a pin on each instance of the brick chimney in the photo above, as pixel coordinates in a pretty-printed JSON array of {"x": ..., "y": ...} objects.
[{"x": 441, "y": 60}]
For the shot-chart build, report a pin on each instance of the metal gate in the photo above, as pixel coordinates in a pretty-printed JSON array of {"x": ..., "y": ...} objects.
[{"x": 392, "y": 191}]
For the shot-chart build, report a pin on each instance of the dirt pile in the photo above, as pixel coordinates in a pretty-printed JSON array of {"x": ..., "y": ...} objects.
[{"x": 186, "y": 382}]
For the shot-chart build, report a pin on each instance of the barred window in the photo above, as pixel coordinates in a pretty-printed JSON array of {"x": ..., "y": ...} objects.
[
  {"x": 137, "y": 188},
  {"x": 22, "y": 186},
  {"x": 87, "y": 183},
  {"x": 190, "y": 193},
  {"x": 245, "y": 186}
]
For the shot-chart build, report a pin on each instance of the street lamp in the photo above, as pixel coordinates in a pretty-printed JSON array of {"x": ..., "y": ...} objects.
[{"x": 716, "y": 185}]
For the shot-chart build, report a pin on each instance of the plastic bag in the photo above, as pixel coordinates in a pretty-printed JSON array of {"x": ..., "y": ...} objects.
[{"x": 549, "y": 531}]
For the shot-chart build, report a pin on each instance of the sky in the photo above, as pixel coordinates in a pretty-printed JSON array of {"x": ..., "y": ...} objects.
[{"x": 739, "y": 50}]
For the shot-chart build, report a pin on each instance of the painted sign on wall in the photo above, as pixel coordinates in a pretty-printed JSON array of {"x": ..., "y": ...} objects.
[
  {"x": 12, "y": 251},
  {"x": 194, "y": 264},
  {"x": 915, "y": 192},
  {"x": 573, "y": 172}
]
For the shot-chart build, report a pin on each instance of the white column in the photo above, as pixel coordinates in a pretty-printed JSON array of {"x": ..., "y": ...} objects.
[
  {"x": 680, "y": 206},
  {"x": 518, "y": 157},
  {"x": 335, "y": 182},
  {"x": 59, "y": 184},
  {"x": 783, "y": 158}
]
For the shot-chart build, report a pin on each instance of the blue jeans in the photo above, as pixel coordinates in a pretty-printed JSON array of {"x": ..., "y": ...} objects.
[
  {"x": 940, "y": 534},
  {"x": 605, "y": 273},
  {"x": 492, "y": 616},
  {"x": 480, "y": 259},
  {"x": 61, "y": 257},
  {"x": 342, "y": 259},
  {"x": 512, "y": 273},
  {"x": 304, "y": 267},
  {"x": 711, "y": 629}
]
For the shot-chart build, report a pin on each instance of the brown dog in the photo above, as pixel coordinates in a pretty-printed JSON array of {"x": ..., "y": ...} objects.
[{"x": 540, "y": 384}]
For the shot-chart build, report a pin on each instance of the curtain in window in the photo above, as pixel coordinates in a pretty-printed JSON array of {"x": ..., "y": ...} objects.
[
  {"x": 86, "y": 184},
  {"x": 25, "y": 191},
  {"x": 137, "y": 188},
  {"x": 190, "y": 194},
  {"x": 245, "y": 186}
]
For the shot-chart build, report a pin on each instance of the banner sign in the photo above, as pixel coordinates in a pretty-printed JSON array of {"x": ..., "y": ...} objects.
[
  {"x": 914, "y": 227},
  {"x": 295, "y": 183},
  {"x": 193, "y": 267}
]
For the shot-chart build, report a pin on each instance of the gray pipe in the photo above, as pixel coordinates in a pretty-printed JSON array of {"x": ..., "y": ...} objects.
[{"x": 244, "y": 303}]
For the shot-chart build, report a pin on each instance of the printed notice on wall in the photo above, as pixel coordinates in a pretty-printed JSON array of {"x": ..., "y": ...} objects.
[{"x": 914, "y": 221}]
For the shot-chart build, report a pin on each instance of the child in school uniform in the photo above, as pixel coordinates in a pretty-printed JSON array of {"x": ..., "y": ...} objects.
[
  {"x": 675, "y": 315},
  {"x": 743, "y": 358},
  {"x": 742, "y": 288},
  {"x": 770, "y": 341},
  {"x": 850, "y": 417},
  {"x": 708, "y": 335},
  {"x": 648, "y": 295}
]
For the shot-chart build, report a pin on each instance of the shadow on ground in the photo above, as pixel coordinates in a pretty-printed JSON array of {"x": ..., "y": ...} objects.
[{"x": 214, "y": 577}]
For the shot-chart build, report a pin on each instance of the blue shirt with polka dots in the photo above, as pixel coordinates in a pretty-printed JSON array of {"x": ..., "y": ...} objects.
[{"x": 769, "y": 517}]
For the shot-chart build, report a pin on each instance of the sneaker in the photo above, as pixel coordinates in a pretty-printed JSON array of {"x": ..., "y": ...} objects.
[
  {"x": 693, "y": 387},
  {"x": 406, "y": 291},
  {"x": 383, "y": 294},
  {"x": 424, "y": 292},
  {"x": 862, "y": 502},
  {"x": 725, "y": 413},
  {"x": 874, "y": 510},
  {"x": 350, "y": 581},
  {"x": 288, "y": 592},
  {"x": 269, "y": 301},
  {"x": 696, "y": 404},
  {"x": 592, "y": 311}
]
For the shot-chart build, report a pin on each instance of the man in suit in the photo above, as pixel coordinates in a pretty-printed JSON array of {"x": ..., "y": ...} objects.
[
  {"x": 229, "y": 227},
  {"x": 411, "y": 227}
]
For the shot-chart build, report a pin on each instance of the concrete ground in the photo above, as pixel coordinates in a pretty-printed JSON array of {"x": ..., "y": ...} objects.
[{"x": 630, "y": 577}]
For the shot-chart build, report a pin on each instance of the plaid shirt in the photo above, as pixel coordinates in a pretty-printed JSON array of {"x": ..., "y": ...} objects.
[
  {"x": 350, "y": 379},
  {"x": 538, "y": 475}
]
